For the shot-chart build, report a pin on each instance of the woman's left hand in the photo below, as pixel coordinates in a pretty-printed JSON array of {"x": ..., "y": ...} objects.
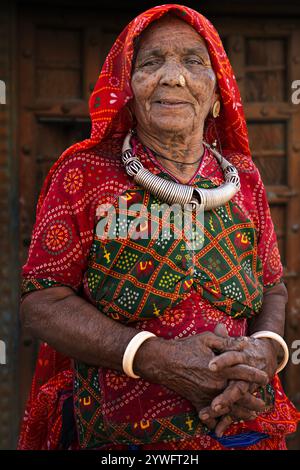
[{"x": 258, "y": 353}]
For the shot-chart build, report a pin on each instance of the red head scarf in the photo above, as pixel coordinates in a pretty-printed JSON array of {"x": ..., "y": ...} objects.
[{"x": 113, "y": 89}]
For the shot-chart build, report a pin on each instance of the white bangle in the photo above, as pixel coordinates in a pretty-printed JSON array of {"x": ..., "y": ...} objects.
[
  {"x": 131, "y": 351},
  {"x": 280, "y": 340}
]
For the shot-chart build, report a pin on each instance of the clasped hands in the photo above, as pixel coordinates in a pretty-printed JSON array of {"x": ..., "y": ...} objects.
[
  {"x": 237, "y": 401},
  {"x": 220, "y": 375}
]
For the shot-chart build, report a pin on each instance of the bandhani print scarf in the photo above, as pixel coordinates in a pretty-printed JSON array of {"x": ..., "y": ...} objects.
[{"x": 155, "y": 283}]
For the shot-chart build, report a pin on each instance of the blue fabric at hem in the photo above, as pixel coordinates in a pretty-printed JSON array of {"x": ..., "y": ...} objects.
[{"x": 240, "y": 440}]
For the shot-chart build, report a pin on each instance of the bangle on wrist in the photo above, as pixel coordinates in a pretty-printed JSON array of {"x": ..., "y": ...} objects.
[
  {"x": 278, "y": 339},
  {"x": 131, "y": 351}
]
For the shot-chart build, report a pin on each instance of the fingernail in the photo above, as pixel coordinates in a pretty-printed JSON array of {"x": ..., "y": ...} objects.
[
  {"x": 213, "y": 366},
  {"x": 204, "y": 416},
  {"x": 218, "y": 407}
]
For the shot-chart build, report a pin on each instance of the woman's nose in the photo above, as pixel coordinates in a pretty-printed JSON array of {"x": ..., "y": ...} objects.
[{"x": 171, "y": 75}]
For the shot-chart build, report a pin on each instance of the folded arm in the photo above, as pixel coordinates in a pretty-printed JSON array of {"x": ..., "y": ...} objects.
[{"x": 76, "y": 328}]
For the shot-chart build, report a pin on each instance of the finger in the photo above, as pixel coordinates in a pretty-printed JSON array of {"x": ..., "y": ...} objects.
[
  {"x": 209, "y": 413},
  {"x": 254, "y": 388},
  {"x": 205, "y": 416},
  {"x": 234, "y": 392},
  {"x": 252, "y": 403},
  {"x": 241, "y": 413},
  {"x": 246, "y": 373},
  {"x": 222, "y": 344},
  {"x": 210, "y": 423},
  {"x": 221, "y": 330},
  {"x": 223, "y": 424},
  {"x": 227, "y": 359}
]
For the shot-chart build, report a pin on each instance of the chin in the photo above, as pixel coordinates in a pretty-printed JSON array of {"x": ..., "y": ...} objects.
[{"x": 171, "y": 125}]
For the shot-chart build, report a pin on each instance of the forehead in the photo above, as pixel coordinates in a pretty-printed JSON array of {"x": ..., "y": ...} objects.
[{"x": 170, "y": 31}]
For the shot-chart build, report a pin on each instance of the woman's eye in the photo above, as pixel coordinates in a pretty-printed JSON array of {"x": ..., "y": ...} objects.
[
  {"x": 194, "y": 61},
  {"x": 149, "y": 63}
]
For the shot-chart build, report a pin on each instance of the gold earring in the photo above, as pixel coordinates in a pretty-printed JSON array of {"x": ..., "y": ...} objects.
[{"x": 216, "y": 109}]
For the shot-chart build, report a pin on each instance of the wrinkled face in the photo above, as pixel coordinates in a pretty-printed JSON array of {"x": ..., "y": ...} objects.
[{"x": 173, "y": 81}]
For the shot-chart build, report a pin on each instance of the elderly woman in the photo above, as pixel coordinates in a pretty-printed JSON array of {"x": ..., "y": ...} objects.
[{"x": 152, "y": 338}]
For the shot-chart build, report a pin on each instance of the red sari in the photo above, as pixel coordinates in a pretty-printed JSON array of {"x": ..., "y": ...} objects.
[{"x": 90, "y": 173}]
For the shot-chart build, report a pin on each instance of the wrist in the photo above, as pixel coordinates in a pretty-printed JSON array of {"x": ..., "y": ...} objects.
[
  {"x": 274, "y": 347},
  {"x": 149, "y": 359},
  {"x": 271, "y": 344},
  {"x": 263, "y": 334}
]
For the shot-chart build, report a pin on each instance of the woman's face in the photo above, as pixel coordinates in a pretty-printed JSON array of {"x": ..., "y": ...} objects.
[{"x": 169, "y": 50}]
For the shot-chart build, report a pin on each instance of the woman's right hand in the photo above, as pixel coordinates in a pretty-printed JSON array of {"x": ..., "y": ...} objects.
[{"x": 182, "y": 366}]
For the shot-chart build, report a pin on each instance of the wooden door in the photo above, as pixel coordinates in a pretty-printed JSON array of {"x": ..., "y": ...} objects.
[
  {"x": 265, "y": 57},
  {"x": 60, "y": 56}
]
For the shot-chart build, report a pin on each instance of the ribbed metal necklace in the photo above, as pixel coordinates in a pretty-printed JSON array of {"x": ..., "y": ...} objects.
[{"x": 171, "y": 192}]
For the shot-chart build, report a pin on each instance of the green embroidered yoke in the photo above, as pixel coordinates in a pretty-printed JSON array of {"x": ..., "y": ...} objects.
[{"x": 132, "y": 279}]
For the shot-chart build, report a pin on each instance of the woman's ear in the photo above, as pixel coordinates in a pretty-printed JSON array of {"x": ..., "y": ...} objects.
[
  {"x": 216, "y": 104},
  {"x": 215, "y": 97}
]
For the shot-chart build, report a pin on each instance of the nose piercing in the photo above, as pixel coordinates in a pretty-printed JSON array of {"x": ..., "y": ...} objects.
[{"x": 181, "y": 80}]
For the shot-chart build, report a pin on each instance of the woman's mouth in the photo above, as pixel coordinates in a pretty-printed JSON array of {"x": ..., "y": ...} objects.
[{"x": 170, "y": 104}]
